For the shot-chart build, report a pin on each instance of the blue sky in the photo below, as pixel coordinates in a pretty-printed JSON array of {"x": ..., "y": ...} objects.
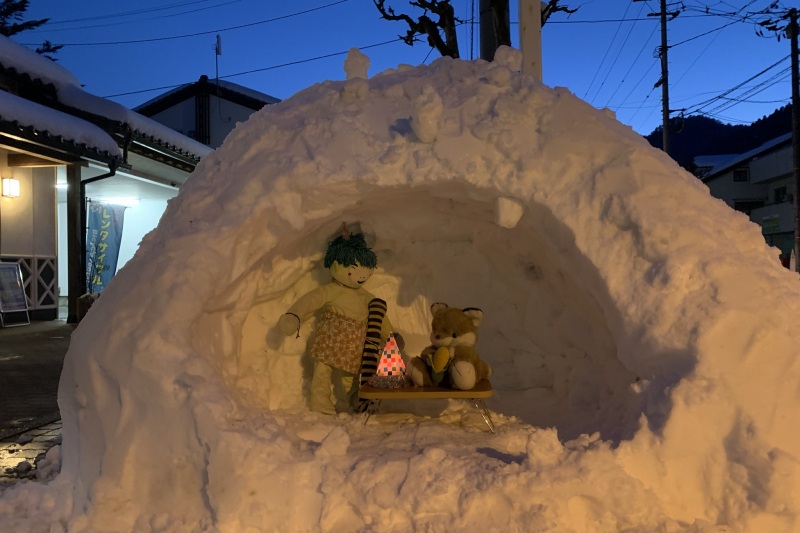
[{"x": 604, "y": 53}]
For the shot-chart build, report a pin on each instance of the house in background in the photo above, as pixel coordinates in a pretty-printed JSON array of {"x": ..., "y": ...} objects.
[
  {"x": 759, "y": 184},
  {"x": 206, "y": 110},
  {"x": 61, "y": 146}
]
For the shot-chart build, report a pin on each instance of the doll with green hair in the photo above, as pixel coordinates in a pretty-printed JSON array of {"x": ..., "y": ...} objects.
[{"x": 343, "y": 304}]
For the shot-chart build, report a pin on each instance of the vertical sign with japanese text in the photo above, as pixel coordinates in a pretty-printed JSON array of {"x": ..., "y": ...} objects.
[{"x": 103, "y": 237}]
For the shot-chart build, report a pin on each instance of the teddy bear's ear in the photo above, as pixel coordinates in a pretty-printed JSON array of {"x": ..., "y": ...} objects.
[
  {"x": 438, "y": 306},
  {"x": 475, "y": 314}
]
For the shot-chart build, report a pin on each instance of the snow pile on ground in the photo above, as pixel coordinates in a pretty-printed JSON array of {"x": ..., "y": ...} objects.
[{"x": 641, "y": 332}]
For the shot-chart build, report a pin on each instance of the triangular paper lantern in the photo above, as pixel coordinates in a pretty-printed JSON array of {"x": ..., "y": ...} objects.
[{"x": 391, "y": 363}]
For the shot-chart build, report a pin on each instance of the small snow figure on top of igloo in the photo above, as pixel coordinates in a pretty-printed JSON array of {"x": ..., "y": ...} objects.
[{"x": 339, "y": 339}]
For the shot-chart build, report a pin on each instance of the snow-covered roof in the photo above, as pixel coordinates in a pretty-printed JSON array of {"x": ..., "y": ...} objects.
[
  {"x": 16, "y": 56},
  {"x": 45, "y": 120},
  {"x": 731, "y": 161},
  {"x": 80, "y": 99},
  {"x": 70, "y": 94},
  {"x": 712, "y": 161}
]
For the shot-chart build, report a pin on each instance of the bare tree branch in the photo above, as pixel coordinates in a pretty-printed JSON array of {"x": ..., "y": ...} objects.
[
  {"x": 12, "y": 13},
  {"x": 440, "y": 34},
  {"x": 554, "y": 7}
]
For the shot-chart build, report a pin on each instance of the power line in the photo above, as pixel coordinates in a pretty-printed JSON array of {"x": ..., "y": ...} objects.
[
  {"x": 697, "y": 57},
  {"x": 625, "y": 76},
  {"x": 264, "y": 69},
  {"x": 125, "y": 13},
  {"x": 750, "y": 101},
  {"x": 722, "y": 100},
  {"x": 608, "y": 49},
  {"x": 106, "y": 25},
  {"x": 51, "y": 23},
  {"x": 646, "y": 73},
  {"x": 633, "y": 63},
  {"x": 605, "y": 21},
  {"x": 157, "y": 39},
  {"x": 728, "y": 120},
  {"x": 706, "y": 103},
  {"x": 730, "y": 15},
  {"x": 705, "y": 33},
  {"x": 756, "y": 89},
  {"x": 652, "y": 108},
  {"x": 716, "y": 34}
]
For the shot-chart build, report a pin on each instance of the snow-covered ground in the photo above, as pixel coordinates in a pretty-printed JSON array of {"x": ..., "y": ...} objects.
[{"x": 642, "y": 333}]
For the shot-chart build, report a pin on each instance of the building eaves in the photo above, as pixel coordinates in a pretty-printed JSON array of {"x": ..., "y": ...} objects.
[
  {"x": 29, "y": 139},
  {"x": 29, "y": 126},
  {"x": 157, "y": 150}
]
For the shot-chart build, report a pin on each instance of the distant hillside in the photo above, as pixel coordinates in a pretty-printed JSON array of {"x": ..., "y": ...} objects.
[{"x": 698, "y": 135}]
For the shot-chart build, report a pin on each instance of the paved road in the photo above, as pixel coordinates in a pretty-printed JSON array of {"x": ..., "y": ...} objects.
[{"x": 31, "y": 358}]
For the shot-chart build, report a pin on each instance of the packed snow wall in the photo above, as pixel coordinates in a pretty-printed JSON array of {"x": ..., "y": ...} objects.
[{"x": 607, "y": 275}]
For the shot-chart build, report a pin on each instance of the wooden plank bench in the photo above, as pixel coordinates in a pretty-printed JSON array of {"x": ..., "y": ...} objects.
[{"x": 482, "y": 389}]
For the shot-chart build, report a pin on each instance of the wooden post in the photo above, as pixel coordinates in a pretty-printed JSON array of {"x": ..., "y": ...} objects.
[
  {"x": 76, "y": 270},
  {"x": 530, "y": 37}
]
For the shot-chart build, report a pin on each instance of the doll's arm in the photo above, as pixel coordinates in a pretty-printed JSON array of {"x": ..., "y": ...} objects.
[
  {"x": 289, "y": 323},
  {"x": 302, "y": 310}
]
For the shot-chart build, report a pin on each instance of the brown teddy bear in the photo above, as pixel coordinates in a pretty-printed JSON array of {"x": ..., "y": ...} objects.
[{"x": 451, "y": 360}]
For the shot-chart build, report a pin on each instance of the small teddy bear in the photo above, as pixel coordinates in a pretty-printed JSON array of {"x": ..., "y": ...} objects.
[{"x": 451, "y": 360}]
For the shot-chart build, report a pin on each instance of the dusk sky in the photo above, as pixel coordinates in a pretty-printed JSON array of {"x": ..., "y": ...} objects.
[{"x": 604, "y": 53}]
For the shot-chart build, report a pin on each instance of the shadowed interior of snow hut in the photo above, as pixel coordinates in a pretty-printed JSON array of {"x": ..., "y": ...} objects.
[{"x": 545, "y": 333}]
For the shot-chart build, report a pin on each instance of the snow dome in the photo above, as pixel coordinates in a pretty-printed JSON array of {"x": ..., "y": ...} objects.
[{"x": 641, "y": 332}]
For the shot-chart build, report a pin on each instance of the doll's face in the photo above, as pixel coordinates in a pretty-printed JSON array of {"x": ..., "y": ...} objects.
[{"x": 352, "y": 276}]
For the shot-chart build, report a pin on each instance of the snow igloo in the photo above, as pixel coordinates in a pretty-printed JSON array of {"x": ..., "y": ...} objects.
[{"x": 639, "y": 383}]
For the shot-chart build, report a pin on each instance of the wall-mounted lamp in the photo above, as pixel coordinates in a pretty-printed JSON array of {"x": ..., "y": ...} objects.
[{"x": 10, "y": 188}]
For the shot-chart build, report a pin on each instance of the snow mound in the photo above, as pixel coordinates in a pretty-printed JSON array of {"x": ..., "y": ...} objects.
[{"x": 641, "y": 332}]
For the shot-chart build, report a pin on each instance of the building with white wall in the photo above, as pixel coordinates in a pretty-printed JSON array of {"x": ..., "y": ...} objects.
[
  {"x": 206, "y": 110},
  {"x": 53, "y": 133},
  {"x": 759, "y": 183}
]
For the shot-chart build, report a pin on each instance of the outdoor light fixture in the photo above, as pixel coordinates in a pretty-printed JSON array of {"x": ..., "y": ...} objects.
[{"x": 10, "y": 188}]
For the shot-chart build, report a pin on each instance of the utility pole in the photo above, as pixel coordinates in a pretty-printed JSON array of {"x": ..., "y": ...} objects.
[
  {"x": 494, "y": 26},
  {"x": 792, "y": 31},
  {"x": 664, "y": 81}
]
